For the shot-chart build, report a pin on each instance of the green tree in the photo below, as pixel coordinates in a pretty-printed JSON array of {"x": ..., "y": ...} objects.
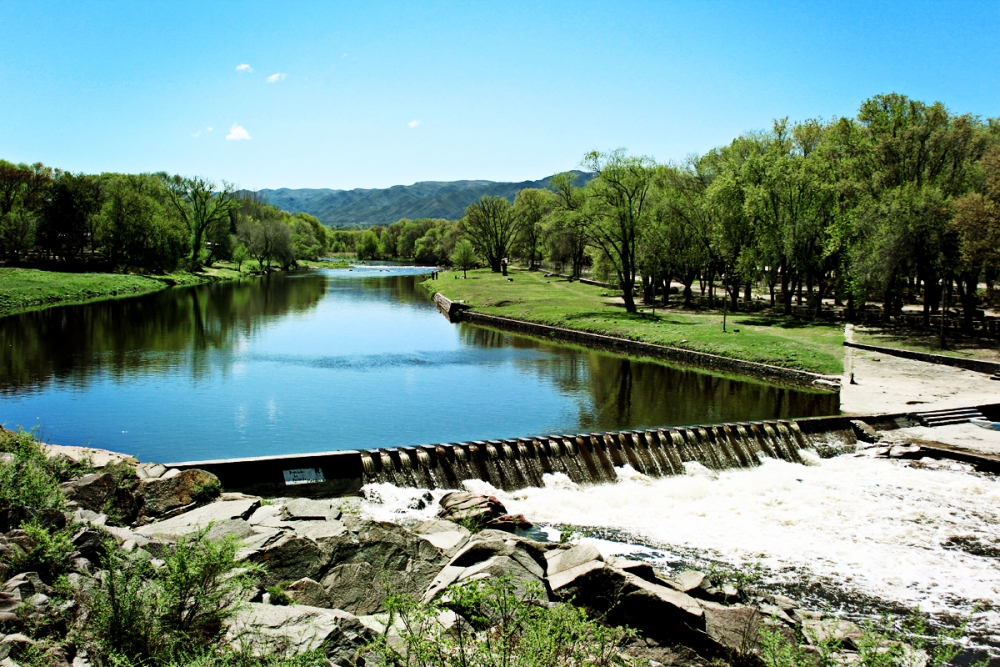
[
  {"x": 619, "y": 193},
  {"x": 367, "y": 247},
  {"x": 493, "y": 227},
  {"x": 201, "y": 207},
  {"x": 464, "y": 256},
  {"x": 531, "y": 205}
]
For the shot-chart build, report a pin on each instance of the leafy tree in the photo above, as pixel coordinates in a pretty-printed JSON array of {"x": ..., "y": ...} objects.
[
  {"x": 367, "y": 247},
  {"x": 531, "y": 205},
  {"x": 201, "y": 208},
  {"x": 619, "y": 193},
  {"x": 493, "y": 227},
  {"x": 240, "y": 255},
  {"x": 464, "y": 256}
]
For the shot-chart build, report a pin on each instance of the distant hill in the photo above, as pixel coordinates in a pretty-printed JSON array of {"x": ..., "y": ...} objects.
[{"x": 429, "y": 199}]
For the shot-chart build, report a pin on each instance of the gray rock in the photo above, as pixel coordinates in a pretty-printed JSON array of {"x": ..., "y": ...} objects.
[
  {"x": 299, "y": 628},
  {"x": 171, "y": 492},
  {"x": 686, "y": 581},
  {"x": 734, "y": 627},
  {"x": 309, "y": 593},
  {"x": 87, "y": 517},
  {"x": 659, "y": 612},
  {"x": 817, "y": 631},
  {"x": 307, "y": 509},
  {"x": 10, "y": 601},
  {"x": 559, "y": 560},
  {"x": 290, "y": 557},
  {"x": 447, "y": 536},
  {"x": 24, "y": 585},
  {"x": 639, "y": 568},
  {"x": 150, "y": 470},
  {"x": 357, "y": 588},
  {"x": 92, "y": 492},
  {"x": 201, "y": 517}
]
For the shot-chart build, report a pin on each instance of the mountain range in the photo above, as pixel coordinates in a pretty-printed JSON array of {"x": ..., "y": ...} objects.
[{"x": 381, "y": 206}]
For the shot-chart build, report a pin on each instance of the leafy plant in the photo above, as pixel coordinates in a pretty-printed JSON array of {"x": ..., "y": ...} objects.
[
  {"x": 144, "y": 615},
  {"x": 27, "y": 477},
  {"x": 279, "y": 596},
  {"x": 498, "y": 627},
  {"x": 49, "y": 554}
]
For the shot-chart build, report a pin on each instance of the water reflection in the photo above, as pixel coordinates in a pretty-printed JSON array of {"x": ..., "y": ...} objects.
[
  {"x": 163, "y": 331},
  {"x": 618, "y": 392},
  {"x": 328, "y": 360}
]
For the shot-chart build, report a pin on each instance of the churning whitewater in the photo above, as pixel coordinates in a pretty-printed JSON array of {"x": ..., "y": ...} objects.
[{"x": 896, "y": 531}]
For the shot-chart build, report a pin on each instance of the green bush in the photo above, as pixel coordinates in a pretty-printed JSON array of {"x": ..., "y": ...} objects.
[
  {"x": 28, "y": 478},
  {"x": 48, "y": 557},
  {"x": 152, "y": 616},
  {"x": 505, "y": 629}
]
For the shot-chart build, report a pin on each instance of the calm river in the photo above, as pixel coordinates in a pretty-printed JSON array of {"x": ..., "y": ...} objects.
[{"x": 327, "y": 360}]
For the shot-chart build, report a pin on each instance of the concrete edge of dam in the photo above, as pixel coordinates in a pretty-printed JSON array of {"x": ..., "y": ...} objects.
[{"x": 586, "y": 458}]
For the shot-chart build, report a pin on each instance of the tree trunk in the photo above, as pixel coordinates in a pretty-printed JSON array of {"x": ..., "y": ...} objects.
[
  {"x": 967, "y": 287},
  {"x": 688, "y": 281},
  {"x": 786, "y": 294}
]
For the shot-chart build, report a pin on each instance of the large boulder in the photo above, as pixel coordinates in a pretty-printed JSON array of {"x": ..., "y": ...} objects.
[
  {"x": 169, "y": 494},
  {"x": 483, "y": 511},
  {"x": 659, "y": 612},
  {"x": 447, "y": 536},
  {"x": 94, "y": 491},
  {"x": 299, "y": 628},
  {"x": 494, "y": 553},
  {"x": 735, "y": 627},
  {"x": 360, "y": 588},
  {"x": 309, "y": 593}
]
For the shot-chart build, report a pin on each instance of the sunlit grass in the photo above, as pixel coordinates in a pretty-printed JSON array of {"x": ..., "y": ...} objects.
[{"x": 812, "y": 346}]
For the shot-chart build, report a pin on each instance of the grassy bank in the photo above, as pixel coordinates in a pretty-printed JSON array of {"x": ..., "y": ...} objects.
[
  {"x": 532, "y": 297},
  {"x": 23, "y": 290}
]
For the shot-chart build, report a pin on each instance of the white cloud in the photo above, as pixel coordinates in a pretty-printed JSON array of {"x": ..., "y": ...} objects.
[
  {"x": 243, "y": 67},
  {"x": 274, "y": 78},
  {"x": 414, "y": 123},
  {"x": 238, "y": 133},
  {"x": 208, "y": 129},
  {"x": 197, "y": 134}
]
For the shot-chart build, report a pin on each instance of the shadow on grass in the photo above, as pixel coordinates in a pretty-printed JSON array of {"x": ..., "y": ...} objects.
[{"x": 783, "y": 322}]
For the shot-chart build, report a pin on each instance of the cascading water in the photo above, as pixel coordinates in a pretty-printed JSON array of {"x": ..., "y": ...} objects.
[{"x": 591, "y": 458}]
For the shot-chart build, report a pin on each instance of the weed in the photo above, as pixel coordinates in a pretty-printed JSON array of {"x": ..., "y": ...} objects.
[
  {"x": 26, "y": 477},
  {"x": 279, "y": 596},
  {"x": 48, "y": 556}
]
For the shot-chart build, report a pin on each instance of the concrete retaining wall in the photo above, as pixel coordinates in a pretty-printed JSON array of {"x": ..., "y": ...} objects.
[
  {"x": 989, "y": 367},
  {"x": 625, "y": 346}
]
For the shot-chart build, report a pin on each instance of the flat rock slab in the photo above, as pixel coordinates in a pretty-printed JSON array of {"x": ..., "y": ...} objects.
[
  {"x": 201, "y": 517},
  {"x": 447, "y": 536},
  {"x": 307, "y": 509},
  {"x": 299, "y": 628},
  {"x": 97, "y": 458}
]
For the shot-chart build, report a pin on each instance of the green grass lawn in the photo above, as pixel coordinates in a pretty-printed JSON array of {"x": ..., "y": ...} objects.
[
  {"x": 30, "y": 289},
  {"x": 23, "y": 290},
  {"x": 810, "y": 346}
]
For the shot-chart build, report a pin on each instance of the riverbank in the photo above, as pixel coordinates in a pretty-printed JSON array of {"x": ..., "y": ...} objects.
[
  {"x": 24, "y": 290},
  {"x": 815, "y": 347}
]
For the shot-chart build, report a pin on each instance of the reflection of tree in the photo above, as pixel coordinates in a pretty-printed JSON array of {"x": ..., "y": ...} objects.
[
  {"x": 399, "y": 288},
  {"x": 146, "y": 333},
  {"x": 617, "y": 392}
]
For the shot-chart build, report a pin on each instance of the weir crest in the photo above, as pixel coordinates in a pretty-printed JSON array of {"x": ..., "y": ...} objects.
[{"x": 591, "y": 458}]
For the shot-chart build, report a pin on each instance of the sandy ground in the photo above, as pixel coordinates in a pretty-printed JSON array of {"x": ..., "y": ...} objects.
[{"x": 892, "y": 384}]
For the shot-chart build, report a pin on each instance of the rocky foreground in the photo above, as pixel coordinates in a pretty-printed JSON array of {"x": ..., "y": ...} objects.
[{"x": 325, "y": 571}]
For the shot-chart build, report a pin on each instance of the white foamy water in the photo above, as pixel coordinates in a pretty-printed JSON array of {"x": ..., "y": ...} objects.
[{"x": 871, "y": 526}]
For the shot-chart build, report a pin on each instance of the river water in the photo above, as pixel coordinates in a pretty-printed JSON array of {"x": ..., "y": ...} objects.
[{"x": 328, "y": 360}]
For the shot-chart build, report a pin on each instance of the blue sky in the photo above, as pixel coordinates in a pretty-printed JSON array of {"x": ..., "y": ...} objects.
[{"x": 372, "y": 94}]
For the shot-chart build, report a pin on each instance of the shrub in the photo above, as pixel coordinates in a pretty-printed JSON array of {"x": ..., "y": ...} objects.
[
  {"x": 504, "y": 628},
  {"x": 28, "y": 478},
  {"x": 49, "y": 555},
  {"x": 145, "y": 615}
]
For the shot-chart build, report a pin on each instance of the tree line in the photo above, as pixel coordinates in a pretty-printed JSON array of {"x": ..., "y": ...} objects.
[
  {"x": 146, "y": 222},
  {"x": 899, "y": 204}
]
